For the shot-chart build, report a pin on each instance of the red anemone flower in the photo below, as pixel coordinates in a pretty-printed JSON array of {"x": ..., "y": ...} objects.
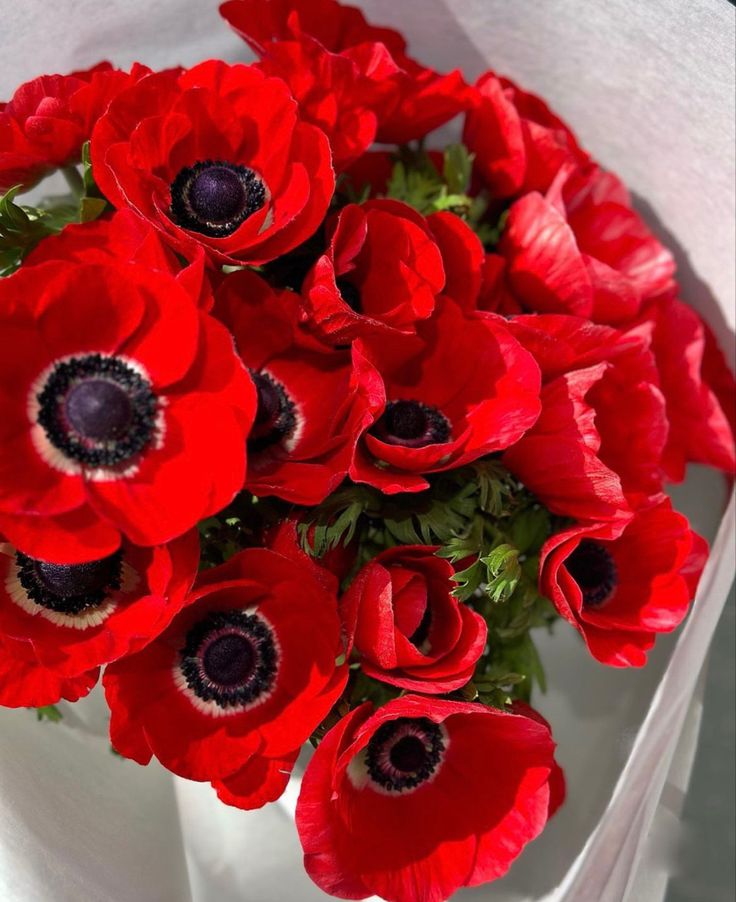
[
  {"x": 380, "y": 274},
  {"x": 700, "y": 430},
  {"x": 406, "y": 625},
  {"x": 518, "y": 142},
  {"x": 313, "y": 402},
  {"x": 411, "y": 100},
  {"x": 621, "y": 585},
  {"x": 367, "y": 813},
  {"x": 216, "y": 156},
  {"x": 47, "y": 120},
  {"x": 582, "y": 249},
  {"x": 78, "y": 616},
  {"x": 332, "y": 92},
  {"x": 461, "y": 388},
  {"x": 117, "y": 393},
  {"x": 231, "y": 690},
  {"x": 592, "y": 374}
]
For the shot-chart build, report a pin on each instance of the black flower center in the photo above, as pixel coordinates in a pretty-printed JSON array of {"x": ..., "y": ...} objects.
[
  {"x": 275, "y": 414},
  {"x": 230, "y": 658},
  {"x": 412, "y": 424},
  {"x": 404, "y": 753},
  {"x": 69, "y": 588},
  {"x": 350, "y": 294},
  {"x": 97, "y": 410},
  {"x": 215, "y": 198},
  {"x": 594, "y": 570}
]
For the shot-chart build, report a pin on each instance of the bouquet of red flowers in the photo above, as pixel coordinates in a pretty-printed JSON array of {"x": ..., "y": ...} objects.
[{"x": 309, "y": 422}]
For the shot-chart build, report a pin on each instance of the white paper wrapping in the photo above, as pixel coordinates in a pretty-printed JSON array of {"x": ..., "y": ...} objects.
[{"x": 648, "y": 88}]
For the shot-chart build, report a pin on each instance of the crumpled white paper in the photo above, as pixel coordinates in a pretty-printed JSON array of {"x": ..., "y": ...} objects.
[{"x": 648, "y": 88}]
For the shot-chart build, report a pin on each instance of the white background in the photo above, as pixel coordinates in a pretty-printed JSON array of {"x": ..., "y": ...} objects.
[{"x": 649, "y": 89}]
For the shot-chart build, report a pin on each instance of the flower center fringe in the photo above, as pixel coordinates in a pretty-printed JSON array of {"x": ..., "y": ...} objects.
[
  {"x": 69, "y": 588},
  {"x": 97, "y": 410},
  {"x": 230, "y": 658},
  {"x": 404, "y": 753},
  {"x": 594, "y": 570},
  {"x": 275, "y": 415},
  {"x": 412, "y": 424},
  {"x": 215, "y": 198}
]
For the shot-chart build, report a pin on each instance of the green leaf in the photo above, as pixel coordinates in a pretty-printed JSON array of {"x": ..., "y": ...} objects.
[
  {"x": 21, "y": 228},
  {"x": 50, "y": 713},
  {"x": 91, "y": 208},
  {"x": 458, "y": 168},
  {"x": 494, "y": 485},
  {"x": 530, "y": 529},
  {"x": 504, "y": 572}
]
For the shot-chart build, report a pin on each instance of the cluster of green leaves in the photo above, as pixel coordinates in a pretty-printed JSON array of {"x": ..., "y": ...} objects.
[
  {"x": 22, "y": 227},
  {"x": 243, "y": 524},
  {"x": 416, "y": 180}
]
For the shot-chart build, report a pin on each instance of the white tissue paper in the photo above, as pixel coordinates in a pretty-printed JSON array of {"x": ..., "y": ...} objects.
[{"x": 649, "y": 90}]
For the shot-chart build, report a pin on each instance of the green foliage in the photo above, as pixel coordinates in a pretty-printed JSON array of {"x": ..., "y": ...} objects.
[
  {"x": 23, "y": 227},
  {"x": 503, "y": 572},
  {"x": 415, "y": 180},
  {"x": 241, "y": 524},
  {"x": 50, "y": 713},
  {"x": 458, "y": 168}
]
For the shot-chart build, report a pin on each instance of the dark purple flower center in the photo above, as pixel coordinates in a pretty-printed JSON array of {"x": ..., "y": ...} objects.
[
  {"x": 230, "y": 658},
  {"x": 275, "y": 414},
  {"x": 594, "y": 570},
  {"x": 69, "y": 588},
  {"x": 412, "y": 424},
  {"x": 350, "y": 294},
  {"x": 404, "y": 753},
  {"x": 215, "y": 197},
  {"x": 97, "y": 410}
]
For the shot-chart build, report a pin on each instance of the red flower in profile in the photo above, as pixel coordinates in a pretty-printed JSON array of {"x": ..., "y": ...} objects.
[
  {"x": 230, "y": 691},
  {"x": 620, "y": 585},
  {"x": 582, "y": 249},
  {"x": 573, "y": 481},
  {"x": 519, "y": 143},
  {"x": 463, "y": 257},
  {"x": 216, "y": 156},
  {"x": 410, "y": 99},
  {"x": 78, "y": 616},
  {"x": 367, "y": 813},
  {"x": 118, "y": 392},
  {"x": 407, "y": 627},
  {"x": 26, "y": 683},
  {"x": 700, "y": 430},
  {"x": 47, "y": 120},
  {"x": 592, "y": 374},
  {"x": 124, "y": 237},
  {"x": 313, "y": 402},
  {"x": 380, "y": 274},
  {"x": 461, "y": 388}
]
